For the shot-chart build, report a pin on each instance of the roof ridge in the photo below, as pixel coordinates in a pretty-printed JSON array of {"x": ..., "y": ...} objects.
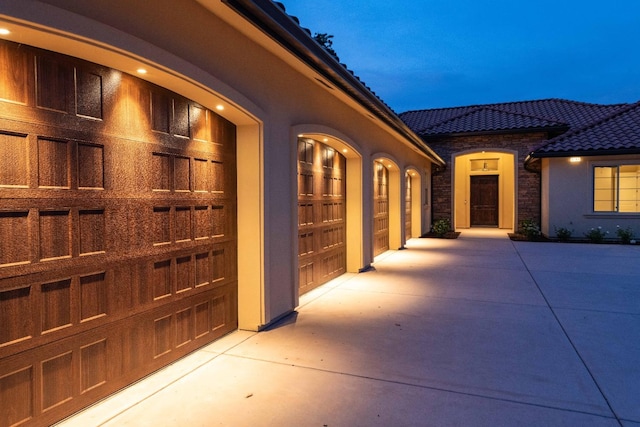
[
  {"x": 456, "y": 117},
  {"x": 531, "y": 116},
  {"x": 530, "y": 101},
  {"x": 514, "y": 116}
]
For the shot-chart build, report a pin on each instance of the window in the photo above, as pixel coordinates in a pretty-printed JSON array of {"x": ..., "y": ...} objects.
[
  {"x": 327, "y": 157},
  {"x": 616, "y": 188},
  {"x": 484, "y": 165},
  {"x": 305, "y": 151}
]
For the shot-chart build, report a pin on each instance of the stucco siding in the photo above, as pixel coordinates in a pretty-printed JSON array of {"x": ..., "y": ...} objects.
[{"x": 570, "y": 197}]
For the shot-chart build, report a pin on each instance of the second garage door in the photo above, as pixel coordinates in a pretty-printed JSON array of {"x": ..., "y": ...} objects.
[{"x": 321, "y": 213}]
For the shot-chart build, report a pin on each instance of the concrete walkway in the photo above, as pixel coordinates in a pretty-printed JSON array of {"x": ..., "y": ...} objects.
[{"x": 477, "y": 331}]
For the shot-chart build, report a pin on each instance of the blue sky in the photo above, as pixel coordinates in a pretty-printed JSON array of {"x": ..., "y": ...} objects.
[{"x": 443, "y": 53}]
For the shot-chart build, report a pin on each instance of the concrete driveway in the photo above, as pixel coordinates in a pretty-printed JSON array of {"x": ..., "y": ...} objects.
[{"x": 477, "y": 331}]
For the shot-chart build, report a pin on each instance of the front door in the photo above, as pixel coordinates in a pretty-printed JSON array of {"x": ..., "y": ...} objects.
[{"x": 484, "y": 201}]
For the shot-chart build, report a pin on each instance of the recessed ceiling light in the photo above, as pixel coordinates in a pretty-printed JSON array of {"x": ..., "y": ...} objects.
[
  {"x": 4, "y": 32},
  {"x": 141, "y": 71},
  {"x": 344, "y": 150},
  {"x": 219, "y": 107},
  {"x": 325, "y": 140}
]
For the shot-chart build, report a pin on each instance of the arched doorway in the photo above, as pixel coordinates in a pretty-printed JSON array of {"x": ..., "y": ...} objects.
[
  {"x": 119, "y": 202},
  {"x": 413, "y": 204},
  {"x": 380, "y": 208},
  {"x": 329, "y": 171},
  {"x": 321, "y": 213},
  {"x": 387, "y": 205},
  {"x": 484, "y": 189},
  {"x": 407, "y": 206}
]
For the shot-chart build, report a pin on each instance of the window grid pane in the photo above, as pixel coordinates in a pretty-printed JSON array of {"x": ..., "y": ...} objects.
[{"x": 616, "y": 188}]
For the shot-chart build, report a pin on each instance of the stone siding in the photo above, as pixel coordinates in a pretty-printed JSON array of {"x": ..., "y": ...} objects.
[{"x": 528, "y": 183}]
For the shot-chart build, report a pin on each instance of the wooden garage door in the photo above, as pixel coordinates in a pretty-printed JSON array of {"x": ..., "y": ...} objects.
[
  {"x": 381, "y": 209},
  {"x": 321, "y": 214},
  {"x": 407, "y": 207},
  {"x": 117, "y": 231}
]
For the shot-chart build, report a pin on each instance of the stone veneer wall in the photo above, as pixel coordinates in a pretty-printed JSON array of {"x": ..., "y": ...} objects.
[{"x": 528, "y": 185}]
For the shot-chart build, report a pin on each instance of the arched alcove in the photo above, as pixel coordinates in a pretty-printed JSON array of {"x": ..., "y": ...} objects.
[
  {"x": 353, "y": 220},
  {"x": 483, "y": 190}
]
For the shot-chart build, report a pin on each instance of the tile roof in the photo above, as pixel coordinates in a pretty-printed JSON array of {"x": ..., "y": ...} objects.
[
  {"x": 487, "y": 119},
  {"x": 539, "y": 114},
  {"x": 617, "y": 133}
]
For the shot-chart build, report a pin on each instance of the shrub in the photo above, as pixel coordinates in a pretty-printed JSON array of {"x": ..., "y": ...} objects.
[
  {"x": 530, "y": 229},
  {"x": 625, "y": 234},
  {"x": 441, "y": 227},
  {"x": 596, "y": 235},
  {"x": 563, "y": 234}
]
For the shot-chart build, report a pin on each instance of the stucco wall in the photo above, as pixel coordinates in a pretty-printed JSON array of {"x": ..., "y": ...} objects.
[{"x": 568, "y": 191}]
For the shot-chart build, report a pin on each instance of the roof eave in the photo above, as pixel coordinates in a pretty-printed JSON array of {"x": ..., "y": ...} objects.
[
  {"x": 272, "y": 20},
  {"x": 586, "y": 153}
]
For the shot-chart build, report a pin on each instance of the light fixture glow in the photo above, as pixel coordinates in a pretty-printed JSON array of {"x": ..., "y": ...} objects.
[
  {"x": 575, "y": 159},
  {"x": 219, "y": 107},
  {"x": 325, "y": 140},
  {"x": 141, "y": 71},
  {"x": 344, "y": 150},
  {"x": 300, "y": 135},
  {"x": 4, "y": 32}
]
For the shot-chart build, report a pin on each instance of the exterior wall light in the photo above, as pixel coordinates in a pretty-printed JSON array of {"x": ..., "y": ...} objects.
[{"x": 575, "y": 159}]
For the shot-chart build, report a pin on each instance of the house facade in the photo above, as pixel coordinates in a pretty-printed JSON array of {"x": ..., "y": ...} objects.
[
  {"x": 171, "y": 171},
  {"x": 590, "y": 176},
  {"x": 544, "y": 161}
]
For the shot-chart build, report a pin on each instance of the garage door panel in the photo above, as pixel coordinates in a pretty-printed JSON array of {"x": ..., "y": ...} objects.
[
  {"x": 117, "y": 255},
  {"x": 75, "y": 371},
  {"x": 16, "y": 65}
]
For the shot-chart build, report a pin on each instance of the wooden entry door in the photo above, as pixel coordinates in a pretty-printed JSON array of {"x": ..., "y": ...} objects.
[{"x": 484, "y": 201}]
